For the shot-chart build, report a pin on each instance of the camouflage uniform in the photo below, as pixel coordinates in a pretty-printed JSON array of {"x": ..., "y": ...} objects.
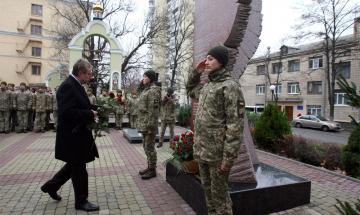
[
  {"x": 167, "y": 118},
  {"x": 92, "y": 99},
  {"x": 22, "y": 103},
  {"x": 13, "y": 116},
  {"x": 147, "y": 123},
  {"x": 5, "y": 101},
  {"x": 31, "y": 115},
  {"x": 218, "y": 134},
  {"x": 132, "y": 107},
  {"x": 55, "y": 110},
  {"x": 119, "y": 113},
  {"x": 49, "y": 98},
  {"x": 40, "y": 106}
]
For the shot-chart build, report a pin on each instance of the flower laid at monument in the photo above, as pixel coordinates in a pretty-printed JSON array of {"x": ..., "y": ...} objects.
[{"x": 183, "y": 159}]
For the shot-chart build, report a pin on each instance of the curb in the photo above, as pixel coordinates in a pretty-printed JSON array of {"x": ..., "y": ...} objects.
[{"x": 310, "y": 166}]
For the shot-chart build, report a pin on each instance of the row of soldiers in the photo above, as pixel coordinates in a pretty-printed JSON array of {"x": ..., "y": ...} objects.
[
  {"x": 23, "y": 110},
  {"x": 124, "y": 106}
]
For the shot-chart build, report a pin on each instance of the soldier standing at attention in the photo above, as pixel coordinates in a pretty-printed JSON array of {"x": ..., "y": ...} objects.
[
  {"x": 4, "y": 108},
  {"x": 132, "y": 108},
  {"x": 40, "y": 106},
  {"x": 31, "y": 111},
  {"x": 13, "y": 118},
  {"x": 55, "y": 108},
  {"x": 219, "y": 124},
  {"x": 148, "y": 116},
  {"x": 120, "y": 109},
  {"x": 22, "y": 103},
  {"x": 167, "y": 115}
]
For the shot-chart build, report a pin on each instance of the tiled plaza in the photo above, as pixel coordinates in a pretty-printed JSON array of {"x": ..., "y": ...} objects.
[{"x": 27, "y": 161}]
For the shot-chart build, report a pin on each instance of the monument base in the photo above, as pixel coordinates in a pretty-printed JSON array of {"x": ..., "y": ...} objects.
[
  {"x": 133, "y": 136},
  {"x": 275, "y": 191}
]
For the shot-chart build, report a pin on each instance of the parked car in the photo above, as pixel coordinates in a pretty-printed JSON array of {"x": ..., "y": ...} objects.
[{"x": 312, "y": 121}]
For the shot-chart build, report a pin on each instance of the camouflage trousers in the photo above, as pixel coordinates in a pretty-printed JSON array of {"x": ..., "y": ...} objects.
[
  {"x": 216, "y": 188},
  {"x": 4, "y": 120},
  {"x": 132, "y": 121},
  {"x": 13, "y": 120},
  {"x": 55, "y": 117},
  {"x": 149, "y": 148},
  {"x": 164, "y": 124},
  {"x": 40, "y": 118},
  {"x": 22, "y": 116},
  {"x": 118, "y": 120}
]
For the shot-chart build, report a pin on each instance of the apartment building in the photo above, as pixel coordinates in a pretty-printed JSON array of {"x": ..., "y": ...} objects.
[
  {"x": 297, "y": 81},
  {"x": 163, "y": 50},
  {"x": 27, "y": 51}
]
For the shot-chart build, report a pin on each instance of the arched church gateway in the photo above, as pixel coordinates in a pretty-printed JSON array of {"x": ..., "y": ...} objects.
[{"x": 96, "y": 44}]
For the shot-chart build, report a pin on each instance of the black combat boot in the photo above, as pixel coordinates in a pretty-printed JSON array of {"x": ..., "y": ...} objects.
[
  {"x": 151, "y": 173},
  {"x": 142, "y": 172}
]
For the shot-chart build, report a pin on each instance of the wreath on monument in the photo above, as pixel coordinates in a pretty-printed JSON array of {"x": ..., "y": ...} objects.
[{"x": 183, "y": 152}]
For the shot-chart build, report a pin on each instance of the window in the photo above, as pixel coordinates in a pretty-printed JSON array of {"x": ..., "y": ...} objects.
[
  {"x": 293, "y": 88},
  {"x": 260, "y": 70},
  {"x": 294, "y": 65},
  {"x": 340, "y": 99},
  {"x": 315, "y": 62},
  {"x": 260, "y": 89},
  {"x": 276, "y": 68},
  {"x": 343, "y": 69},
  {"x": 314, "y": 87},
  {"x": 36, "y": 69},
  {"x": 278, "y": 89},
  {"x": 314, "y": 110},
  {"x": 36, "y": 10},
  {"x": 36, "y": 51},
  {"x": 36, "y": 29}
]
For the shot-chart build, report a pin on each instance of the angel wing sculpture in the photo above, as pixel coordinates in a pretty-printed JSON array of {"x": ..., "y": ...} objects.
[{"x": 237, "y": 25}]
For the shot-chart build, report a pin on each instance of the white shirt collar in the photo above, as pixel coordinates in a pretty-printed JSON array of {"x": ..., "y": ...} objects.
[{"x": 76, "y": 78}]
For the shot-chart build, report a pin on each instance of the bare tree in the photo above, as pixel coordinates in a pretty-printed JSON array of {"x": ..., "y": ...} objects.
[
  {"x": 333, "y": 18},
  {"x": 181, "y": 32}
]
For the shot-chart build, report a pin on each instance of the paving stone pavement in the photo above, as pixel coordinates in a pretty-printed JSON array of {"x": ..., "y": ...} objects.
[{"x": 27, "y": 161}]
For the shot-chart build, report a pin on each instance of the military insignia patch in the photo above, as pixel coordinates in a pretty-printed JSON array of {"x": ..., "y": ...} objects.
[{"x": 241, "y": 109}]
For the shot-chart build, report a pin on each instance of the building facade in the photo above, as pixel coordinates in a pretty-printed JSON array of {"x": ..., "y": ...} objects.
[
  {"x": 175, "y": 43},
  {"x": 297, "y": 82},
  {"x": 27, "y": 51}
]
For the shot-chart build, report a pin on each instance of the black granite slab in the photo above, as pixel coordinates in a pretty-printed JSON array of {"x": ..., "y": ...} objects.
[
  {"x": 275, "y": 191},
  {"x": 133, "y": 136}
]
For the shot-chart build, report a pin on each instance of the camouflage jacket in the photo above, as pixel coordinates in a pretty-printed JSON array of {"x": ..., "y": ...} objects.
[
  {"x": 168, "y": 110},
  {"x": 5, "y": 100},
  {"x": 120, "y": 106},
  {"x": 40, "y": 102},
  {"x": 131, "y": 104},
  {"x": 23, "y": 101},
  {"x": 92, "y": 99},
  {"x": 219, "y": 120},
  {"x": 149, "y": 109},
  {"x": 49, "y": 101},
  {"x": 54, "y": 102}
]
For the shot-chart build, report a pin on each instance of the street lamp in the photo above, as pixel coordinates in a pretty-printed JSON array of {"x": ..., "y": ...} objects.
[{"x": 272, "y": 88}]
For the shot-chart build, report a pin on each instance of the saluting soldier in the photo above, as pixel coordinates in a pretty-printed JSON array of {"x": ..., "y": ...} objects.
[
  {"x": 219, "y": 124},
  {"x": 40, "y": 106},
  {"x": 168, "y": 105},
  {"x": 5, "y": 101},
  {"x": 22, "y": 103},
  {"x": 147, "y": 123}
]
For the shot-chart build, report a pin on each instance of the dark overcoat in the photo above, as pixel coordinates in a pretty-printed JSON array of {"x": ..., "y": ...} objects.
[{"x": 74, "y": 140}]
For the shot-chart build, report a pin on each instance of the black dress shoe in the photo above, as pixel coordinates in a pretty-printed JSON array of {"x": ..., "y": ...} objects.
[
  {"x": 87, "y": 206},
  {"x": 53, "y": 195}
]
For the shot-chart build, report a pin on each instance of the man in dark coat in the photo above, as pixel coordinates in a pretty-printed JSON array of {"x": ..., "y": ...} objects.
[{"x": 74, "y": 141}]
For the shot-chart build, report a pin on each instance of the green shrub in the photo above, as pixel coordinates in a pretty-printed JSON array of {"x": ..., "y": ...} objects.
[
  {"x": 184, "y": 115},
  {"x": 271, "y": 128},
  {"x": 252, "y": 118},
  {"x": 346, "y": 209},
  {"x": 350, "y": 157}
]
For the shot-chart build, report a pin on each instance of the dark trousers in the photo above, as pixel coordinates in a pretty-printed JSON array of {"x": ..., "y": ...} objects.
[{"x": 79, "y": 178}]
